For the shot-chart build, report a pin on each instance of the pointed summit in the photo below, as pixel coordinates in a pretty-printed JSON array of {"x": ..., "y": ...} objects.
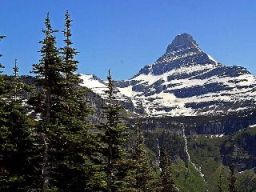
[
  {"x": 182, "y": 52},
  {"x": 182, "y": 42}
]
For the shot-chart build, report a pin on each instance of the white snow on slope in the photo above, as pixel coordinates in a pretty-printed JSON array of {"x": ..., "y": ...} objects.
[
  {"x": 94, "y": 84},
  {"x": 155, "y": 104},
  {"x": 211, "y": 58},
  {"x": 100, "y": 87}
]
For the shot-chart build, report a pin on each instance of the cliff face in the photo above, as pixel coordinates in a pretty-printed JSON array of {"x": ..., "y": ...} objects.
[
  {"x": 209, "y": 125},
  {"x": 240, "y": 149}
]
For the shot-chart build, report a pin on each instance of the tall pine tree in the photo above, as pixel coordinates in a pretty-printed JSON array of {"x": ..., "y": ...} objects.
[
  {"x": 114, "y": 138},
  {"x": 48, "y": 81},
  {"x": 145, "y": 178},
  {"x": 1, "y": 76},
  {"x": 17, "y": 140},
  {"x": 15, "y": 75},
  {"x": 3, "y": 169},
  {"x": 76, "y": 142},
  {"x": 66, "y": 141}
]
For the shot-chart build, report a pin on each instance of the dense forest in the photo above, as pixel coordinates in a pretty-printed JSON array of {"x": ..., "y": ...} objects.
[{"x": 49, "y": 142}]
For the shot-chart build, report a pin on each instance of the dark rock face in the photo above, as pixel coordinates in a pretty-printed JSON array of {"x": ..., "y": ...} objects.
[
  {"x": 206, "y": 125},
  {"x": 182, "y": 41},
  {"x": 223, "y": 71},
  {"x": 199, "y": 90},
  {"x": 240, "y": 150},
  {"x": 175, "y": 60},
  {"x": 182, "y": 51}
]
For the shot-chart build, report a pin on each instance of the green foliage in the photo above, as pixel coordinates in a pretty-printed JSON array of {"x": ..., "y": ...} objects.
[
  {"x": 48, "y": 75},
  {"x": 205, "y": 151},
  {"x": 2, "y": 85},
  {"x": 220, "y": 180},
  {"x": 66, "y": 144},
  {"x": 187, "y": 179},
  {"x": 16, "y": 149},
  {"x": 114, "y": 135},
  {"x": 142, "y": 169},
  {"x": 173, "y": 143},
  {"x": 246, "y": 181},
  {"x": 239, "y": 149},
  {"x": 167, "y": 181},
  {"x": 45, "y": 103}
]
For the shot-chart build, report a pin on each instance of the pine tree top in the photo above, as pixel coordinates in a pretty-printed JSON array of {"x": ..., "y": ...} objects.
[
  {"x": 1, "y": 66},
  {"x": 15, "y": 69}
]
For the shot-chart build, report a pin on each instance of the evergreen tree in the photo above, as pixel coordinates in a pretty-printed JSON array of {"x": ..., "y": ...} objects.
[
  {"x": 1, "y": 37},
  {"x": 78, "y": 142},
  {"x": 1, "y": 76},
  {"x": 15, "y": 75},
  {"x": 114, "y": 138},
  {"x": 48, "y": 78},
  {"x": 232, "y": 179},
  {"x": 167, "y": 181},
  {"x": 16, "y": 141},
  {"x": 48, "y": 74},
  {"x": 145, "y": 180},
  {"x": 3, "y": 170},
  {"x": 66, "y": 142}
]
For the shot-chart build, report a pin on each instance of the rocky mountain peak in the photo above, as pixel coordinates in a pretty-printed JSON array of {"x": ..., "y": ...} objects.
[
  {"x": 181, "y": 42},
  {"x": 186, "y": 81},
  {"x": 183, "y": 51}
]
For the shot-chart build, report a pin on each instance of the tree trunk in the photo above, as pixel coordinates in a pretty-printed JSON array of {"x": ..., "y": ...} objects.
[{"x": 45, "y": 178}]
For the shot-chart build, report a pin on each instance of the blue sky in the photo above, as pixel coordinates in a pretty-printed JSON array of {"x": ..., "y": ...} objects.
[{"x": 125, "y": 35}]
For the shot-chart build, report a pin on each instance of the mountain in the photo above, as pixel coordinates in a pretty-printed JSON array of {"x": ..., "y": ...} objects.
[{"x": 186, "y": 81}]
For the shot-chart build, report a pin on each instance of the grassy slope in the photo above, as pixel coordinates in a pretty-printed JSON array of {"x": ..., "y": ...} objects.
[
  {"x": 187, "y": 179},
  {"x": 205, "y": 152}
]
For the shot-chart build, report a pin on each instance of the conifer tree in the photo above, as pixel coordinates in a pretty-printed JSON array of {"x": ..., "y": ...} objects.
[
  {"x": 2, "y": 90},
  {"x": 167, "y": 181},
  {"x": 115, "y": 133},
  {"x": 66, "y": 142},
  {"x": 1, "y": 76},
  {"x": 15, "y": 75},
  {"x": 77, "y": 144},
  {"x": 145, "y": 180},
  {"x": 47, "y": 72},
  {"x": 48, "y": 78},
  {"x": 3, "y": 170},
  {"x": 16, "y": 141}
]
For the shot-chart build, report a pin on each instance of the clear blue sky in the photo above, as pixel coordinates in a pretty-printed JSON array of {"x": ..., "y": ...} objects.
[{"x": 125, "y": 35}]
